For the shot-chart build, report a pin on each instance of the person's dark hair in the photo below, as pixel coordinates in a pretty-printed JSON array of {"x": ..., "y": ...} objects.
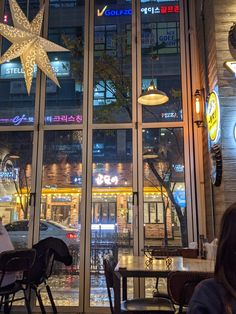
[{"x": 225, "y": 267}]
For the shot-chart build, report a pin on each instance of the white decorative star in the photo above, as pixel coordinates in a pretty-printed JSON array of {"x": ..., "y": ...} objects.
[{"x": 28, "y": 45}]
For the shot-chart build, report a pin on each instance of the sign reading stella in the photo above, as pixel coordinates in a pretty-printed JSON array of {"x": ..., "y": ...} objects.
[{"x": 213, "y": 117}]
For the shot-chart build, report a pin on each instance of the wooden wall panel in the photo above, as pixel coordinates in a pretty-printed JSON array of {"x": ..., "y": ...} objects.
[{"x": 219, "y": 17}]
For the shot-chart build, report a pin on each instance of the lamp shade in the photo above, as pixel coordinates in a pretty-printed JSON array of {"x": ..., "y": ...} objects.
[{"x": 153, "y": 96}]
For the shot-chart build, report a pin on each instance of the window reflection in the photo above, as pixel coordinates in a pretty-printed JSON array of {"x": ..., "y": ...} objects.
[
  {"x": 112, "y": 63},
  {"x": 164, "y": 187},
  {"x": 15, "y": 184},
  {"x": 160, "y": 44}
]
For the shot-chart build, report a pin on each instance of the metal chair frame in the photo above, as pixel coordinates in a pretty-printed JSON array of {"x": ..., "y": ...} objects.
[
  {"x": 181, "y": 285},
  {"x": 15, "y": 261},
  {"x": 109, "y": 266}
]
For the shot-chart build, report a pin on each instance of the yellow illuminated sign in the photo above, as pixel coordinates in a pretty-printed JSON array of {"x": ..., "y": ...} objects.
[{"x": 213, "y": 116}]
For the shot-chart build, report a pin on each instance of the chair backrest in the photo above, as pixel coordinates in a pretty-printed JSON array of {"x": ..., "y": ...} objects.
[
  {"x": 109, "y": 265},
  {"x": 59, "y": 248},
  {"x": 181, "y": 285},
  {"x": 19, "y": 260},
  {"x": 48, "y": 250}
]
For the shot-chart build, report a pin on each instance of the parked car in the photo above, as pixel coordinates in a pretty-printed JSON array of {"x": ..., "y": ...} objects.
[{"x": 18, "y": 232}]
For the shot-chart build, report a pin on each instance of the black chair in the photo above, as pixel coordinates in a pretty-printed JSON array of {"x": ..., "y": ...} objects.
[
  {"x": 47, "y": 251},
  {"x": 181, "y": 285},
  {"x": 142, "y": 305},
  {"x": 161, "y": 253},
  {"x": 17, "y": 263}
]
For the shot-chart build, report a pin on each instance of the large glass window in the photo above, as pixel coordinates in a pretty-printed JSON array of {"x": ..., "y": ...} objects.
[
  {"x": 164, "y": 187},
  {"x": 61, "y": 207},
  {"x": 108, "y": 129},
  {"x": 64, "y": 105},
  {"x": 112, "y": 64},
  {"x": 161, "y": 58},
  {"x": 15, "y": 184},
  {"x": 16, "y": 106},
  {"x": 111, "y": 192}
]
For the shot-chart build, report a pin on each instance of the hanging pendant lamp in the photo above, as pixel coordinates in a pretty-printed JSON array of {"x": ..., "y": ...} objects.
[{"x": 152, "y": 96}]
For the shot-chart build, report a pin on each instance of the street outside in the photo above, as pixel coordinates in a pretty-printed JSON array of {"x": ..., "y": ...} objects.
[{"x": 65, "y": 289}]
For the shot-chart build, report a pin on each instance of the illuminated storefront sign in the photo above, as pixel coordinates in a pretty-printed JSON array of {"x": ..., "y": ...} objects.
[
  {"x": 163, "y": 9},
  {"x": 169, "y": 115},
  {"x": 12, "y": 70},
  {"x": 6, "y": 198},
  {"x": 76, "y": 180},
  {"x": 61, "y": 198},
  {"x": 106, "y": 179},
  {"x": 168, "y": 37},
  {"x": 178, "y": 168},
  {"x": 180, "y": 198},
  {"x": 19, "y": 119},
  {"x": 9, "y": 175},
  {"x": 213, "y": 117}
]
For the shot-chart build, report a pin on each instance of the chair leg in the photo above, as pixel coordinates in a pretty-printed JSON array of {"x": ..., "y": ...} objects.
[
  {"x": 1, "y": 301},
  {"x": 7, "y": 304},
  {"x": 110, "y": 300},
  {"x": 38, "y": 295},
  {"x": 51, "y": 299},
  {"x": 27, "y": 302}
]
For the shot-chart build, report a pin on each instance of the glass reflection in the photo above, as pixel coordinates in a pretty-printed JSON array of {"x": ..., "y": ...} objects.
[
  {"x": 16, "y": 107},
  {"x": 112, "y": 63},
  {"x": 64, "y": 105},
  {"x": 161, "y": 58},
  {"x": 15, "y": 184}
]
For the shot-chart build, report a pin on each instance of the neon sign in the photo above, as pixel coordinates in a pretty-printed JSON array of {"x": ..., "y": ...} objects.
[
  {"x": 11, "y": 70},
  {"x": 19, "y": 119},
  {"x": 213, "y": 117},
  {"x": 9, "y": 175},
  {"x": 178, "y": 167},
  {"x": 106, "y": 179},
  {"x": 167, "y": 115},
  {"x": 163, "y": 9},
  {"x": 5, "y": 19}
]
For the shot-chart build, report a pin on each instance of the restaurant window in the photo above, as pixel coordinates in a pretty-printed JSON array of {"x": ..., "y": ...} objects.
[
  {"x": 153, "y": 213},
  {"x": 104, "y": 213},
  {"x": 112, "y": 66},
  {"x": 160, "y": 38},
  {"x": 61, "y": 214},
  {"x": 104, "y": 93},
  {"x": 105, "y": 38},
  {"x": 129, "y": 212}
]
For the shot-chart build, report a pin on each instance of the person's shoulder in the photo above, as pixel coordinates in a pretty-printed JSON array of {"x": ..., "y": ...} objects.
[
  {"x": 207, "y": 297},
  {"x": 211, "y": 284}
]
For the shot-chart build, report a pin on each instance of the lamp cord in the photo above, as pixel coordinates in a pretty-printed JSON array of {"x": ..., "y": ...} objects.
[
  {"x": 152, "y": 42},
  {"x": 27, "y": 9}
]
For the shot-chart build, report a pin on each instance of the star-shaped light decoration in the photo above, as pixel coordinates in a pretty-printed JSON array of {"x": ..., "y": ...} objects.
[{"x": 28, "y": 44}]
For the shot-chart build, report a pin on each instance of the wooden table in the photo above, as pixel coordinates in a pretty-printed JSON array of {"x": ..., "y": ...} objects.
[{"x": 141, "y": 266}]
